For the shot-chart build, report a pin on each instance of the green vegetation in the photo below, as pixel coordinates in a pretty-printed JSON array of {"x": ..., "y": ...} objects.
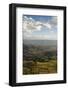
[
  {"x": 41, "y": 67},
  {"x": 39, "y": 60}
]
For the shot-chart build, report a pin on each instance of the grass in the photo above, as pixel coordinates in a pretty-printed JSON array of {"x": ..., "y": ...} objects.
[{"x": 37, "y": 67}]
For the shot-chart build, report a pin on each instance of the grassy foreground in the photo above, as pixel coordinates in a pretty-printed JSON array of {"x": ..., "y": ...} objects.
[{"x": 37, "y": 67}]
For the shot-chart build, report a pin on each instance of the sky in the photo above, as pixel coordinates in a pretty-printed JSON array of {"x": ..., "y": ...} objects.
[{"x": 37, "y": 27}]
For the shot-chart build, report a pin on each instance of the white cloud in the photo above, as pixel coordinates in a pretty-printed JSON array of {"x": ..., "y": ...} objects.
[
  {"x": 39, "y": 28},
  {"x": 53, "y": 21},
  {"x": 30, "y": 25},
  {"x": 48, "y": 25}
]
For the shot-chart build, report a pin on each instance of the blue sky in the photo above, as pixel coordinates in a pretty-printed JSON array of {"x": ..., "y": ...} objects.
[
  {"x": 40, "y": 27},
  {"x": 39, "y": 18}
]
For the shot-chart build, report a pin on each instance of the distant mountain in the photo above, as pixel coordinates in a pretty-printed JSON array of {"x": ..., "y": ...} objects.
[{"x": 41, "y": 42}]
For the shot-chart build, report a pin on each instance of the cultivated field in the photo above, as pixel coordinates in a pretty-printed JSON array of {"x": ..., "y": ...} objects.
[
  {"x": 40, "y": 67},
  {"x": 39, "y": 59}
]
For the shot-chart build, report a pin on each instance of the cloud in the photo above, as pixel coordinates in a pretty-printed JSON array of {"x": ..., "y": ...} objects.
[
  {"x": 30, "y": 25},
  {"x": 53, "y": 21}
]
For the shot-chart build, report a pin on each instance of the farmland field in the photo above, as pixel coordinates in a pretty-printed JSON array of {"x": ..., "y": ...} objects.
[{"x": 39, "y": 57}]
